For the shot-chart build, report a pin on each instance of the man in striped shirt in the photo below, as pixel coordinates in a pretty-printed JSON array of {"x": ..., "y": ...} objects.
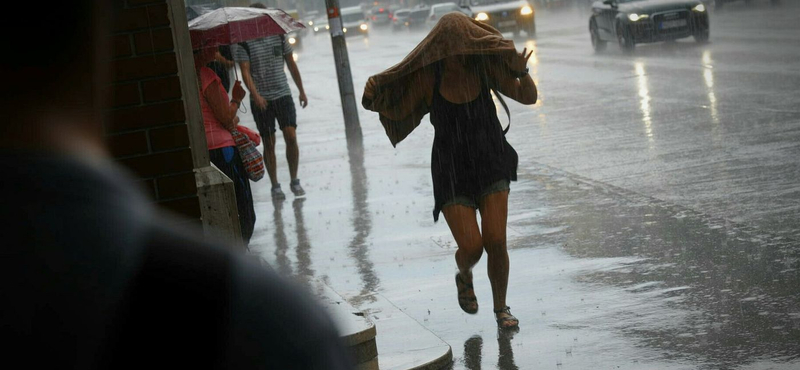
[{"x": 262, "y": 61}]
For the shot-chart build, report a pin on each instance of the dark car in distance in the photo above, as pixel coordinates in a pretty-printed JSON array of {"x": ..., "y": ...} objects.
[
  {"x": 504, "y": 15},
  {"x": 631, "y": 22},
  {"x": 400, "y": 19}
]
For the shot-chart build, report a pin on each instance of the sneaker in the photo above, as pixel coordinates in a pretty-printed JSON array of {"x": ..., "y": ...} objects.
[
  {"x": 277, "y": 193},
  {"x": 296, "y": 188}
]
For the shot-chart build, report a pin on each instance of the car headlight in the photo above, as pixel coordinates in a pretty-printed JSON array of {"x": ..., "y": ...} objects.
[
  {"x": 310, "y": 23},
  {"x": 327, "y": 27},
  {"x": 635, "y": 17},
  {"x": 363, "y": 27},
  {"x": 292, "y": 41},
  {"x": 344, "y": 29},
  {"x": 526, "y": 10},
  {"x": 316, "y": 29},
  {"x": 482, "y": 17},
  {"x": 699, "y": 8}
]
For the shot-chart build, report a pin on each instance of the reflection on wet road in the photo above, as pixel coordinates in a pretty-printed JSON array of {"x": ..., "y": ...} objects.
[
  {"x": 727, "y": 293},
  {"x": 362, "y": 224},
  {"x": 473, "y": 351}
]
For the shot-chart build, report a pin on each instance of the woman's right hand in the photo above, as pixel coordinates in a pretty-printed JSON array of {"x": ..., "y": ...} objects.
[{"x": 237, "y": 91}]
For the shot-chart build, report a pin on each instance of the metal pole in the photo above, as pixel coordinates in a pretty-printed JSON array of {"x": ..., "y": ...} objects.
[{"x": 351, "y": 125}]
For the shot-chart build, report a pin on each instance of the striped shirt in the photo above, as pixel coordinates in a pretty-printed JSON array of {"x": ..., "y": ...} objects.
[{"x": 266, "y": 65}]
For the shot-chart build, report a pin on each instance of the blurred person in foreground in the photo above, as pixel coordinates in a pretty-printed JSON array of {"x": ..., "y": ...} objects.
[
  {"x": 262, "y": 61},
  {"x": 219, "y": 119},
  {"x": 92, "y": 275},
  {"x": 450, "y": 75}
]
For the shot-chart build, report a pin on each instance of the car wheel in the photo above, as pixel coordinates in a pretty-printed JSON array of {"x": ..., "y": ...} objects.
[
  {"x": 701, "y": 36},
  {"x": 624, "y": 39},
  {"x": 597, "y": 43}
]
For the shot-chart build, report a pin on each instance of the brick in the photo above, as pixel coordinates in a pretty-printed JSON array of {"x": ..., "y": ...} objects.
[
  {"x": 145, "y": 116},
  {"x": 153, "y": 41},
  {"x": 121, "y": 46},
  {"x": 149, "y": 188},
  {"x": 127, "y": 144},
  {"x": 144, "y": 67},
  {"x": 176, "y": 186},
  {"x": 143, "y": 17},
  {"x": 188, "y": 207},
  {"x": 160, "y": 164},
  {"x": 167, "y": 138},
  {"x": 161, "y": 89},
  {"x": 125, "y": 94}
]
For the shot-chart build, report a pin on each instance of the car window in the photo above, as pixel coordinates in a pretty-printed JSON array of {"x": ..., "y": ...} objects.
[
  {"x": 419, "y": 14},
  {"x": 401, "y": 13},
  {"x": 354, "y": 17},
  {"x": 487, "y": 2},
  {"x": 445, "y": 9}
]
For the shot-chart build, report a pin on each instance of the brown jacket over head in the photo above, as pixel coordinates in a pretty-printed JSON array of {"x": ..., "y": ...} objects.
[{"x": 395, "y": 92}]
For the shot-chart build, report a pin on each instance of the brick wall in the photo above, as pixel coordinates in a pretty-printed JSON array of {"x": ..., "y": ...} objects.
[{"x": 147, "y": 127}]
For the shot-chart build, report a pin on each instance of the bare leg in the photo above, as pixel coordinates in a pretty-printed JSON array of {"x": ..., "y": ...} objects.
[
  {"x": 494, "y": 215},
  {"x": 463, "y": 225},
  {"x": 269, "y": 158},
  {"x": 292, "y": 150}
]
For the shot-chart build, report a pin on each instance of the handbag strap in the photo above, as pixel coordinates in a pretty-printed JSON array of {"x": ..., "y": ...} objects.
[{"x": 505, "y": 106}]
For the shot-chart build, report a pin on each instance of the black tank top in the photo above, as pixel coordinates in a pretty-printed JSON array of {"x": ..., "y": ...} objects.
[{"x": 470, "y": 151}]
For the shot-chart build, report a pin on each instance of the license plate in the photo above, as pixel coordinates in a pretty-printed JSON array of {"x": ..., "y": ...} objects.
[
  {"x": 508, "y": 23},
  {"x": 673, "y": 24}
]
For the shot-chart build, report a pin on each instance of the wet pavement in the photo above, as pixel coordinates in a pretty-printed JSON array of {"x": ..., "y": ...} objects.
[{"x": 654, "y": 223}]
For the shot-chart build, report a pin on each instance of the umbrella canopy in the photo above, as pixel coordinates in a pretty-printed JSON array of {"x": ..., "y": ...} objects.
[
  {"x": 395, "y": 92},
  {"x": 232, "y": 25}
]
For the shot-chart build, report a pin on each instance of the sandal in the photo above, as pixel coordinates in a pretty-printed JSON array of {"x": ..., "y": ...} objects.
[
  {"x": 468, "y": 302},
  {"x": 506, "y": 322}
]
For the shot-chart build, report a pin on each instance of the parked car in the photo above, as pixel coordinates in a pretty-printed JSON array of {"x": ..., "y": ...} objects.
[
  {"x": 438, "y": 10},
  {"x": 354, "y": 22},
  {"x": 417, "y": 18},
  {"x": 400, "y": 19},
  {"x": 320, "y": 25},
  {"x": 380, "y": 16},
  {"x": 631, "y": 22},
  {"x": 505, "y": 15}
]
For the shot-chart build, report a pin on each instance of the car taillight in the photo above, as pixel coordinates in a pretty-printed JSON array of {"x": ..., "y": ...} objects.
[{"x": 374, "y": 18}]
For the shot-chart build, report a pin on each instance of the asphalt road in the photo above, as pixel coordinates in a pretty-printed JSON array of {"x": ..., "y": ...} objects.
[{"x": 655, "y": 223}]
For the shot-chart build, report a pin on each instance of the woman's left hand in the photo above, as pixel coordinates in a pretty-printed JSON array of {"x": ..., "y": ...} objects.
[
  {"x": 237, "y": 91},
  {"x": 520, "y": 62}
]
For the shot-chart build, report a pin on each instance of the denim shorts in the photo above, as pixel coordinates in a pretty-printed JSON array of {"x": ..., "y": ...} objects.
[{"x": 473, "y": 202}]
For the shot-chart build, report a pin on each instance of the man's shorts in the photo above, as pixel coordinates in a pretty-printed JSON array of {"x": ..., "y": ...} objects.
[
  {"x": 474, "y": 202},
  {"x": 281, "y": 109}
]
